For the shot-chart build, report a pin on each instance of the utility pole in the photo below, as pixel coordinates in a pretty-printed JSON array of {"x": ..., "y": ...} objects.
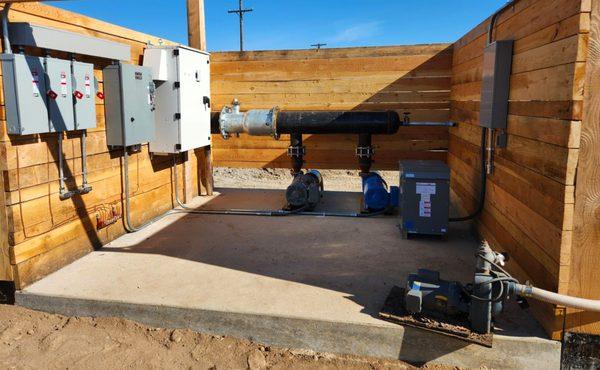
[
  {"x": 318, "y": 46},
  {"x": 240, "y": 12}
]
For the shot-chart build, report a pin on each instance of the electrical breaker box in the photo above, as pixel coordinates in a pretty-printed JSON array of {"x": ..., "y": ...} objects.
[
  {"x": 84, "y": 92},
  {"x": 495, "y": 87},
  {"x": 24, "y": 94},
  {"x": 424, "y": 197},
  {"x": 183, "y": 106},
  {"x": 59, "y": 87},
  {"x": 128, "y": 104}
]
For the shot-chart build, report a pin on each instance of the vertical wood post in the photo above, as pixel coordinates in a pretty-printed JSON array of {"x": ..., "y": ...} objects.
[
  {"x": 585, "y": 251},
  {"x": 197, "y": 40}
]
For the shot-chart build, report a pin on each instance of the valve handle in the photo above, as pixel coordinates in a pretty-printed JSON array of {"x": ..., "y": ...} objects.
[
  {"x": 78, "y": 94},
  {"x": 52, "y": 95},
  {"x": 100, "y": 95}
]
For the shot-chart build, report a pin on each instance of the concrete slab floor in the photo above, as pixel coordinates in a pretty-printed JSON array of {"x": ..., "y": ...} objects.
[{"x": 301, "y": 282}]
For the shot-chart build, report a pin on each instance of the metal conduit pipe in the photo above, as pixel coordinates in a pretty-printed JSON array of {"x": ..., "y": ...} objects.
[
  {"x": 253, "y": 212},
  {"x": 5, "y": 35}
]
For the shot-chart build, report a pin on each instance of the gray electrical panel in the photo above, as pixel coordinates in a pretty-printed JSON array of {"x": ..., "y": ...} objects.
[
  {"x": 424, "y": 197},
  {"x": 129, "y": 104},
  {"x": 24, "y": 94},
  {"x": 495, "y": 87},
  {"x": 84, "y": 92},
  {"x": 60, "y": 95}
]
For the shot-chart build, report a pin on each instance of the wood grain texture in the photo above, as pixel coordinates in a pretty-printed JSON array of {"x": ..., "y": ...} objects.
[
  {"x": 585, "y": 251},
  {"x": 42, "y": 232},
  {"x": 416, "y": 79},
  {"x": 530, "y": 203}
]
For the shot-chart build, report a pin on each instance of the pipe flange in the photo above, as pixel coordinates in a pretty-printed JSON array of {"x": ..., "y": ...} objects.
[{"x": 365, "y": 151}]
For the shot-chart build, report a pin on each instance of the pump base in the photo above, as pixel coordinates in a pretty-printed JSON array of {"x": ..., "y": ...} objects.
[{"x": 394, "y": 311}]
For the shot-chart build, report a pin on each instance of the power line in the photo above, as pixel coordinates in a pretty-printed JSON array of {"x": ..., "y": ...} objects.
[
  {"x": 318, "y": 46},
  {"x": 240, "y": 12}
]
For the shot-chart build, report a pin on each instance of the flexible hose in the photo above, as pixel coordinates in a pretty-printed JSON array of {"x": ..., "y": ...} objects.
[
  {"x": 483, "y": 182},
  {"x": 558, "y": 299}
]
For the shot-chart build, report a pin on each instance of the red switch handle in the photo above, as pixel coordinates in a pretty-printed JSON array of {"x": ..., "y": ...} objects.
[
  {"x": 78, "y": 94},
  {"x": 52, "y": 95},
  {"x": 100, "y": 95}
]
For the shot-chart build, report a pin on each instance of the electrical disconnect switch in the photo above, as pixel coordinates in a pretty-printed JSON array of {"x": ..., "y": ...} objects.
[
  {"x": 59, "y": 90},
  {"x": 129, "y": 105},
  {"x": 25, "y": 96},
  {"x": 84, "y": 94}
]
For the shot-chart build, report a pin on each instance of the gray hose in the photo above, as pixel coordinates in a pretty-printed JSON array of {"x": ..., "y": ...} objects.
[
  {"x": 7, "y": 47},
  {"x": 558, "y": 299}
]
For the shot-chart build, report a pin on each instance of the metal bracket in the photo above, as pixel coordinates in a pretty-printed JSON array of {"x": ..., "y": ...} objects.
[
  {"x": 296, "y": 151},
  {"x": 365, "y": 151}
]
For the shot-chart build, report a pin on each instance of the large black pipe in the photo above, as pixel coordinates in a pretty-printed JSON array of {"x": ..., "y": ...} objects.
[
  {"x": 338, "y": 122},
  {"x": 332, "y": 122}
]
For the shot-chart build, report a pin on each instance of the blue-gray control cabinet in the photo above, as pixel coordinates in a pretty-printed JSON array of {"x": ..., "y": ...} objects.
[
  {"x": 60, "y": 95},
  {"x": 128, "y": 104},
  {"x": 24, "y": 94},
  {"x": 424, "y": 197},
  {"x": 84, "y": 93}
]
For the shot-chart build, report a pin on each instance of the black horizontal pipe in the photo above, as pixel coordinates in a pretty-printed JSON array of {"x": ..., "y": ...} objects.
[
  {"x": 331, "y": 122},
  {"x": 338, "y": 122}
]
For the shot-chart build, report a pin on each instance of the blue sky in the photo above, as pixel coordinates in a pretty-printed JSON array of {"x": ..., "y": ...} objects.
[{"x": 296, "y": 24}]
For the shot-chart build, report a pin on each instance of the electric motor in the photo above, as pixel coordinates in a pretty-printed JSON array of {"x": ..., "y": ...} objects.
[{"x": 305, "y": 191}]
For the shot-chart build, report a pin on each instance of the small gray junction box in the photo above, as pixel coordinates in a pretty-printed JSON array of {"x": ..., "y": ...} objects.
[
  {"x": 424, "y": 197},
  {"x": 129, "y": 104},
  {"x": 495, "y": 87}
]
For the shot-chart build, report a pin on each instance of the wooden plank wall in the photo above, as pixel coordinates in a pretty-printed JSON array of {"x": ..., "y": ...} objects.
[
  {"x": 402, "y": 78},
  {"x": 530, "y": 203},
  {"x": 43, "y": 232},
  {"x": 585, "y": 252}
]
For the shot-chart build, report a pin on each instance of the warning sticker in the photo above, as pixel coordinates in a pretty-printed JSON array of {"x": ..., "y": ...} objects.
[
  {"x": 426, "y": 190},
  {"x": 63, "y": 84},
  {"x": 36, "y": 83},
  {"x": 88, "y": 86}
]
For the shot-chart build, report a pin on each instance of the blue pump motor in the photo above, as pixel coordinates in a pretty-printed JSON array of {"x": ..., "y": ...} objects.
[{"x": 376, "y": 196}]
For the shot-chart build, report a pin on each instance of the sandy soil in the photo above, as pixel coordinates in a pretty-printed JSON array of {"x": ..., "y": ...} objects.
[
  {"x": 256, "y": 178},
  {"x": 36, "y": 340}
]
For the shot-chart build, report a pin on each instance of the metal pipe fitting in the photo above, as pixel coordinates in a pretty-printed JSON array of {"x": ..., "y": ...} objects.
[
  {"x": 258, "y": 122},
  {"x": 5, "y": 31}
]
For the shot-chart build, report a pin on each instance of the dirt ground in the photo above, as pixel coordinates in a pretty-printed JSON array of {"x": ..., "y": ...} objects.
[
  {"x": 36, "y": 340},
  {"x": 256, "y": 178}
]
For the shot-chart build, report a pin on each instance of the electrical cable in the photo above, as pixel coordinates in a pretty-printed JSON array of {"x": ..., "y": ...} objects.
[{"x": 483, "y": 181}]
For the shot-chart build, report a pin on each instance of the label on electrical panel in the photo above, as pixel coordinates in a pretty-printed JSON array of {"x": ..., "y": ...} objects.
[
  {"x": 36, "y": 83},
  {"x": 426, "y": 190},
  {"x": 63, "y": 84},
  {"x": 88, "y": 86}
]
